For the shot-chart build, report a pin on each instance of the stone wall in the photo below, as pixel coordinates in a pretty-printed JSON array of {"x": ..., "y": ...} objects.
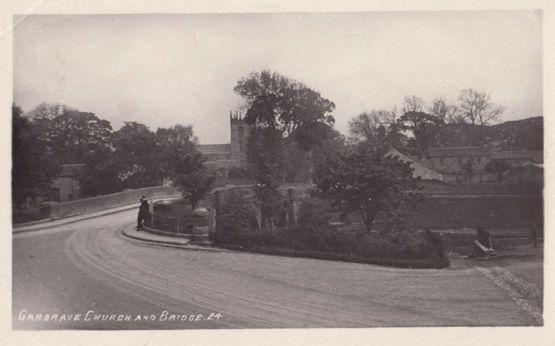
[{"x": 501, "y": 211}]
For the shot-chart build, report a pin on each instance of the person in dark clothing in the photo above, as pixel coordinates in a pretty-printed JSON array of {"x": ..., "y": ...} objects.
[{"x": 143, "y": 212}]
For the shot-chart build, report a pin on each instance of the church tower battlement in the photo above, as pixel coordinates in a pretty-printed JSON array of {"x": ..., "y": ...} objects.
[{"x": 240, "y": 132}]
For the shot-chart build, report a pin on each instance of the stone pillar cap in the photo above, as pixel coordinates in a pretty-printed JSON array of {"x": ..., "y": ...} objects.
[{"x": 200, "y": 212}]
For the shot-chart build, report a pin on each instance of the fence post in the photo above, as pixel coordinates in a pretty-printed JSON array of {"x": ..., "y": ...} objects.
[
  {"x": 291, "y": 221},
  {"x": 212, "y": 222},
  {"x": 217, "y": 208},
  {"x": 151, "y": 211}
]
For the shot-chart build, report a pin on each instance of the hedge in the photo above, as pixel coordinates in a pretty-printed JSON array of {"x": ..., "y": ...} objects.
[{"x": 312, "y": 238}]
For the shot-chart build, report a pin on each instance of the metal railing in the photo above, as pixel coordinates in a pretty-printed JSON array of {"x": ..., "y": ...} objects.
[{"x": 170, "y": 224}]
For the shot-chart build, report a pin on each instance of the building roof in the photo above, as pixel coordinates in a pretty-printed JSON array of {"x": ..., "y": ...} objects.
[
  {"x": 70, "y": 170},
  {"x": 534, "y": 156},
  {"x": 533, "y": 165},
  {"x": 458, "y": 152},
  {"x": 208, "y": 149},
  {"x": 413, "y": 160}
]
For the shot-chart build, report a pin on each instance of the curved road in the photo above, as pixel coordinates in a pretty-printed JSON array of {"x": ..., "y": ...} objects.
[{"x": 93, "y": 277}]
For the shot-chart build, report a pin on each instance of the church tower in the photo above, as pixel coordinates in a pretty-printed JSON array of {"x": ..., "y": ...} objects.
[{"x": 240, "y": 131}]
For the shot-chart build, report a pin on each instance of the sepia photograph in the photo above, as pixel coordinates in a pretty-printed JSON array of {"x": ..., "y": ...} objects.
[{"x": 277, "y": 170}]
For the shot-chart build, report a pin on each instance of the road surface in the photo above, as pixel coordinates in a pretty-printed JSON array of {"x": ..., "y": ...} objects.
[{"x": 88, "y": 275}]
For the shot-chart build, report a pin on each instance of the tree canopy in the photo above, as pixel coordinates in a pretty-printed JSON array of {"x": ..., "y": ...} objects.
[
  {"x": 191, "y": 178},
  {"x": 174, "y": 143},
  {"x": 355, "y": 182},
  {"x": 424, "y": 128},
  {"x": 136, "y": 155},
  {"x": 286, "y": 117},
  {"x": 33, "y": 168},
  {"x": 284, "y": 105},
  {"x": 72, "y": 135}
]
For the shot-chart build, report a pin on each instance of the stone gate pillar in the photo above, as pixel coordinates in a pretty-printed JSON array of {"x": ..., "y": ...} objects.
[{"x": 201, "y": 227}]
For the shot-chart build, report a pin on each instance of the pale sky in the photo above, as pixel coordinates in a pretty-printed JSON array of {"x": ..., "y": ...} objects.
[{"x": 163, "y": 70}]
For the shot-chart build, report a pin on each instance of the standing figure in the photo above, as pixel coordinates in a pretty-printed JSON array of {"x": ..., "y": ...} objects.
[{"x": 143, "y": 212}]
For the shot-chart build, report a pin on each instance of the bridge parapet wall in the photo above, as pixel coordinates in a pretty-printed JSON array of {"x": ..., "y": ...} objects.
[{"x": 93, "y": 204}]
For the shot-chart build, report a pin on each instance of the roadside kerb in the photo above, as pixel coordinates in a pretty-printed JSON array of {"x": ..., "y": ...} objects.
[{"x": 168, "y": 241}]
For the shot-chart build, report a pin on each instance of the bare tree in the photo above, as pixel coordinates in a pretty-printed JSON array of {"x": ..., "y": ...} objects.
[
  {"x": 377, "y": 129},
  {"x": 366, "y": 126},
  {"x": 412, "y": 103},
  {"x": 477, "y": 107},
  {"x": 446, "y": 112}
]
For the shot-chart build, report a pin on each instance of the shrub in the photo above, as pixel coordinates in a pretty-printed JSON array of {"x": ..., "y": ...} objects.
[
  {"x": 237, "y": 216},
  {"x": 239, "y": 172},
  {"x": 311, "y": 215}
]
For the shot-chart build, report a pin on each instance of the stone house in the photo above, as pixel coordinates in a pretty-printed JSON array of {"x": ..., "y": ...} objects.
[
  {"x": 66, "y": 186},
  {"x": 460, "y": 164},
  {"x": 420, "y": 169},
  {"x": 467, "y": 165}
]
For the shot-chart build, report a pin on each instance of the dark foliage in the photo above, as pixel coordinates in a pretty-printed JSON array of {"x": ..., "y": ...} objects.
[
  {"x": 136, "y": 156},
  {"x": 191, "y": 178},
  {"x": 73, "y": 135},
  {"x": 498, "y": 167},
  {"x": 236, "y": 215},
  {"x": 424, "y": 128},
  {"x": 314, "y": 237},
  {"x": 356, "y": 182},
  {"x": 525, "y": 134},
  {"x": 286, "y": 118},
  {"x": 33, "y": 167}
]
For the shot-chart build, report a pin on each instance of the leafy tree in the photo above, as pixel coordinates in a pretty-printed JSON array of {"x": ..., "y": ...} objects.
[
  {"x": 297, "y": 163},
  {"x": 264, "y": 150},
  {"x": 33, "y": 169},
  {"x": 182, "y": 163},
  {"x": 332, "y": 143},
  {"x": 173, "y": 144},
  {"x": 99, "y": 176},
  {"x": 191, "y": 178},
  {"x": 73, "y": 135},
  {"x": 281, "y": 112},
  {"x": 423, "y": 126},
  {"x": 498, "y": 167},
  {"x": 136, "y": 155},
  {"x": 276, "y": 102},
  {"x": 355, "y": 182}
]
